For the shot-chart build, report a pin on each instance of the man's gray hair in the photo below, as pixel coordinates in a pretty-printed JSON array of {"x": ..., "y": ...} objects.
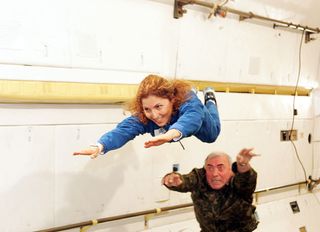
[{"x": 218, "y": 154}]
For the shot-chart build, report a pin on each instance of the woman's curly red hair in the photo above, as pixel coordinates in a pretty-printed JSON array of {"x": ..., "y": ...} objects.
[{"x": 177, "y": 91}]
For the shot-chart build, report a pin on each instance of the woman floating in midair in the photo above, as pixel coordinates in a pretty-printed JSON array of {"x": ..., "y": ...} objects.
[{"x": 167, "y": 109}]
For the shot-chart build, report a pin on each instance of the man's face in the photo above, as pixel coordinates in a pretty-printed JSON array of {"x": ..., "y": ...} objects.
[{"x": 218, "y": 171}]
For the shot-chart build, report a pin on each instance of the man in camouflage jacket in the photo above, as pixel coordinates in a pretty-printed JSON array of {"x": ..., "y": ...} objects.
[{"x": 221, "y": 192}]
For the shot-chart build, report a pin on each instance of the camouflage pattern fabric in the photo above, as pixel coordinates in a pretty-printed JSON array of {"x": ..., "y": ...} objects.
[{"x": 229, "y": 209}]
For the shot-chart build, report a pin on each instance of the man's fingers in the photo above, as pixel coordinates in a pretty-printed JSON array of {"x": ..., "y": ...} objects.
[
  {"x": 254, "y": 154},
  {"x": 248, "y": 150}
]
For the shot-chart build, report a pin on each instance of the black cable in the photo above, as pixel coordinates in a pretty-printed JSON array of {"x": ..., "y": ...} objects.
[
  {"x": 163, "y": 131},
  {"x": 294, "y": 110},
  {"x": 182, "y": 145}
]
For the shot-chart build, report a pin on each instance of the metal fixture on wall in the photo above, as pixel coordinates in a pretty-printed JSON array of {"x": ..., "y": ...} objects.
[
  {"x": 221, "y": 10},
  {"x": 312, "y": 183}
]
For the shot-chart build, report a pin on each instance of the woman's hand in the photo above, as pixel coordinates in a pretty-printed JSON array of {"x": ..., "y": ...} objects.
[
  {"x": 158, "y": 140},
  {"x": 163, "y": 138},
  {"x": 93, "y": 151}
]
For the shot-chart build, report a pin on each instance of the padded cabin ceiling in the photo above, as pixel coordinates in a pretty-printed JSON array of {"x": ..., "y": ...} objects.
[{"x": 306, "y": 10}]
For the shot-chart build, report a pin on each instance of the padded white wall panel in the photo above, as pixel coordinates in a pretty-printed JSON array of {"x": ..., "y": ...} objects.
[
  {"x": 27, "y": 177},
  {"x": 63, "y": 114}
]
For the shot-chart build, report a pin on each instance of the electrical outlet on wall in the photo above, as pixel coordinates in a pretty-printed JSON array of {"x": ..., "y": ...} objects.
[
  {"x": 285, "y": 135},
  {"x": 295, "y": 207}
]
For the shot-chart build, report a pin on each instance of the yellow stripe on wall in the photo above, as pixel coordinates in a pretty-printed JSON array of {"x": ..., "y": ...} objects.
[
  {"x": 64, "y": 92},
  {"x": 16, "y": 91},
  {"x": 253, "y": 88}
]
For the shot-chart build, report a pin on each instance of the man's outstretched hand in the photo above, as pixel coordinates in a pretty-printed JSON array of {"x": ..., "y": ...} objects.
[{"x": 172, "y": 180}]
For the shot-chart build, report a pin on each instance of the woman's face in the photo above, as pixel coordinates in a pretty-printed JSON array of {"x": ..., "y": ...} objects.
[{"x": 157, "y": 109}]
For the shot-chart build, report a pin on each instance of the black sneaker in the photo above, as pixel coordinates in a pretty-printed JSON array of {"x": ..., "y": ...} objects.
[{"x": 208, "y": 94}]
